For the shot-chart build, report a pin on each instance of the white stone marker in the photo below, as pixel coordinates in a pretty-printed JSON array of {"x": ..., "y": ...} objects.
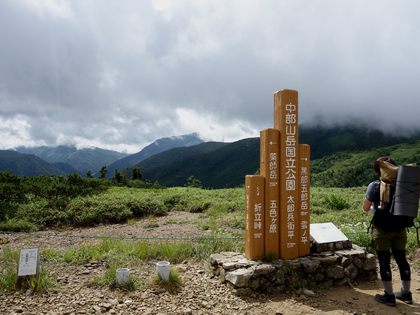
[{"x": 326, "y": 233}]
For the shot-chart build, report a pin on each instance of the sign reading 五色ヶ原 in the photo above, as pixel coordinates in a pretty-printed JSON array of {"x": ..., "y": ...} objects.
[
  {"x": 28, "y": 262},
  {"x": 285, "y": 171},
  {"x": 269, "y": 169}
]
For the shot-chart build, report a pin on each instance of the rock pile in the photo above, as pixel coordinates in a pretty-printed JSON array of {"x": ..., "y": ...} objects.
[{"x": 321, "y": 270}]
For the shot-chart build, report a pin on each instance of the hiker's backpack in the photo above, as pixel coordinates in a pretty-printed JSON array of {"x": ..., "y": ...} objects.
[{"x": 399, "y": 197}]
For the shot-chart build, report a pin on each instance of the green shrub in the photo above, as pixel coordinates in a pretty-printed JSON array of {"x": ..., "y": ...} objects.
[
  {"x": 92, "y": 210},
  {"x": 336, "y": 202},
  {"x": 41, "y": 213},
  {"x": 142, "y": 207},
  {"x": 18, "y": 225}
]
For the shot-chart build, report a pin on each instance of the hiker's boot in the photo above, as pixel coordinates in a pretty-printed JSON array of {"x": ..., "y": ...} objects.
[
  {"x": 406, "y": 297},
  {"x": 388, "y": 299}
]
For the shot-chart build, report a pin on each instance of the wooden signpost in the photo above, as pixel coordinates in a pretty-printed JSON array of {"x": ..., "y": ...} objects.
[
  {"x": 269, "y": 169},
  {"x": 285, "y": 171},
  {"x": 286, "y": 120},
  {"x": 304, "y": 199},
  {"x": 254, "y": 225}
]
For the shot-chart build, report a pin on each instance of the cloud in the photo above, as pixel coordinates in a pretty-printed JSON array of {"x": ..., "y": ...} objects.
[{"x": 121, "y": 74}]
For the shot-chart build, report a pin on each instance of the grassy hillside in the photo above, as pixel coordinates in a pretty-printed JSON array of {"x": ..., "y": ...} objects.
[
  {"x": 351, "y": 169},
  {"x": 221, "y": 210},
  {"x": 158, "y": 146},
  {"x": 216, "y": 165},
  {"x": 26, "y": 164},
  {"x": 328, "y": 140},
  {"x": 81, "y": 159},
  {"x": 226, "y": 166}
]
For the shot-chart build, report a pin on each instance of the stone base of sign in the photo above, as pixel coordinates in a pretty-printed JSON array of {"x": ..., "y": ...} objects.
[
  {"x": 320, "y": 270},
  {"x": 333, "y": 246}
]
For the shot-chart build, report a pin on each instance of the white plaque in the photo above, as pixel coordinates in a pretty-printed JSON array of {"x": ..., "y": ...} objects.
[
  {"x": 28, "y": 262},
  {"x": 326, "y": 233}
]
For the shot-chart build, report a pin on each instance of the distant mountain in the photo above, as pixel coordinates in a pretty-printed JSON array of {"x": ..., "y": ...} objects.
[
  {"x": 215, "y": 164},
  {"x": 328, "y": 140},
  {"x": 225, "y": 165},
  {"x": 350, "y": 169},
  {"x": 158, "y": 146},
  {"x": 26, "y": 164},
  {"x": 81, "y": 159},
  {"x": 67, "y": 168}
]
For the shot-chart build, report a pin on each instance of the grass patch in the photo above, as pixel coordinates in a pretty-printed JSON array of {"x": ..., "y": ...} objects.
[
  {"x": 336, "y": 202},
  {"x": 173, "y": 251},
  {"x": 42, "y": 282},
  {"x": 18, "y": 225},
  {"x": 109, "y": 279},
  {"x": 151, "y": 224},
  {"x": 174, "y": 283}
]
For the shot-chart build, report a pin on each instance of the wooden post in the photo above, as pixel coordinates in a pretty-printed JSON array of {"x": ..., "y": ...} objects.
[
  {"x": 269, "y": 169},
  {"x": 305, "y": 185},
  {"x": 254, "y": 227},
  {"x": 286, "y": 120}
]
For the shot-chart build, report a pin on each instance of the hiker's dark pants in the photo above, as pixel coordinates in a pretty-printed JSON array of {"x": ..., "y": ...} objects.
[{"x": 384, "y": 243}]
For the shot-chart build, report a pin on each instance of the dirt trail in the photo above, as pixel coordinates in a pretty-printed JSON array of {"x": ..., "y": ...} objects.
[{"x": 201, "y": 293}]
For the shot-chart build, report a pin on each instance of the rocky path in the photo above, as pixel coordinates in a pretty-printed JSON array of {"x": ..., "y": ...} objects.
[{"x": 201, "y": 293}]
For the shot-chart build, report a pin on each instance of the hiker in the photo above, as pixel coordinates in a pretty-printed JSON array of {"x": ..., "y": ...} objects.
[{"x": 388, "y": 236}]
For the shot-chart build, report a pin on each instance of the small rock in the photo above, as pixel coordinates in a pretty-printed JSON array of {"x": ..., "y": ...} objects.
[
  {"x": 106, "y": 306},
  {"x": 113, "y": 301},
  {"x": 308, "y": 292},
  {"x": 96, "y": 308},
  {"x": 128, "y": 302}
]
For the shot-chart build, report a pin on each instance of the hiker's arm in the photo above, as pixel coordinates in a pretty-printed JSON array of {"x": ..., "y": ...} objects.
[{"x": 366, "y": 205}]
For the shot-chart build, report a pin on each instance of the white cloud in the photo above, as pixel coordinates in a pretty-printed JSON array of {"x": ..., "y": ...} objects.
[
  {"x": 124, "y": 73},
  {"x": 211, "y": 127},
  {"x": 15, "y": 132},
  {"x": 53, "y": 8}
]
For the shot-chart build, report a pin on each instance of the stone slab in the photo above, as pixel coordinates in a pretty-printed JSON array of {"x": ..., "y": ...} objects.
[{"x": 326, "y": 233}]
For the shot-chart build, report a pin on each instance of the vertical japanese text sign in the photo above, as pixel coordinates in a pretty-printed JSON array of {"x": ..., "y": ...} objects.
[
  {"x": 304, "y": 215},
  {"x": 254, "y": 221},
  {"x": 286, "y": 120},
  {"x": 269, "y": 169}
]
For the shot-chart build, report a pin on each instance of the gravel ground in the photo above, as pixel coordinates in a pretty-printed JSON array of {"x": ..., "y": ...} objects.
[{"x": 200, "y": 293}]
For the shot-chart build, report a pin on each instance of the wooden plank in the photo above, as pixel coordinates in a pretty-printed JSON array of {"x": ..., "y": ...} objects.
[
  {"x": 304, "y": 200},
  {"x": 254, "y": 221},
  {"x": 269, "y": 169},
  {"x": 286, "y": 120}
]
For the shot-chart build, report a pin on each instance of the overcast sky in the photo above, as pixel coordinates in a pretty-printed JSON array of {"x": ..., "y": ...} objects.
[{"x": 120, "y": 74}]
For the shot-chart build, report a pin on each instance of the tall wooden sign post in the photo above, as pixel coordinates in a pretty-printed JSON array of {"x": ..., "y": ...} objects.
[
  {"x": 269, "y": 169},
  {"x": 254, "y": 217},
  {"x": 285, "y": 171},
  {"x": 305, "y": 195},
  {"x": 286, "y": 120}
]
